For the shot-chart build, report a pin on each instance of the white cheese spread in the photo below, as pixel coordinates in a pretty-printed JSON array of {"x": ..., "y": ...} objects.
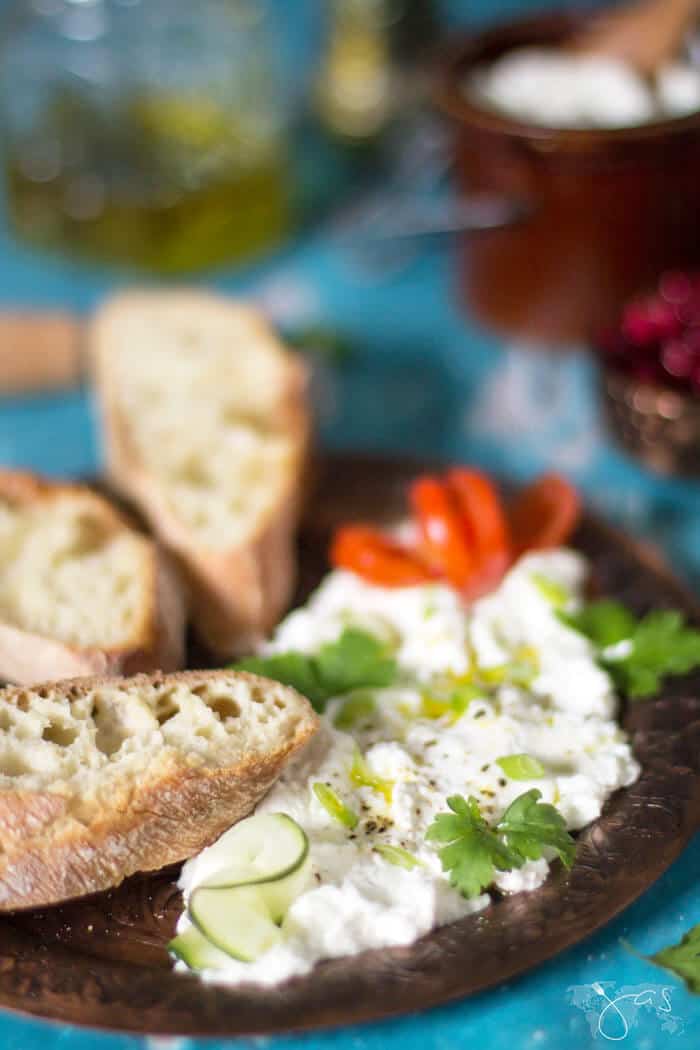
[{"x": 547, "y": 699}]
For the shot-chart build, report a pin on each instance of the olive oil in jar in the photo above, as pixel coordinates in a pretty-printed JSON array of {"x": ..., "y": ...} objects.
[
  {"x": 168, "y": 151},
  {"x": 148, "y": 206}
]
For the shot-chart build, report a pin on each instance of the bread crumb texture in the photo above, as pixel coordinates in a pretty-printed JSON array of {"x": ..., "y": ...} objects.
[
  {"x": 205, "y": 391},
  {"x": 95, "y": 746},
  {"x": 70, "y": 573}
]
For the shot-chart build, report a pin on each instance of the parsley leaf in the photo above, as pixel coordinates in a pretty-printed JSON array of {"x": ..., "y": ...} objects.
[
  {"x": 295, "y": 669},
  {"x": 528, "y": 826},
  {"x": 473, "y": 851},
  {"x": 683, "y": 959},
  {"x": 355, "y": 660},
  {"x": 660, "y": 644},
  {"x": 605, "y": 622}
]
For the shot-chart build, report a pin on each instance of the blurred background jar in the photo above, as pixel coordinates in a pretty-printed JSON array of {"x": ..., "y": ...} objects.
[
  {"x": 371, "y": 67},
  {"x": 176, "y": 135},
  {"x": 147, "y": 131}
]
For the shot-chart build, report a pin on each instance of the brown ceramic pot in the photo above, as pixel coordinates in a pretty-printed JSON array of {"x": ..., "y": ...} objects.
[{"x": 610, "y": 210}]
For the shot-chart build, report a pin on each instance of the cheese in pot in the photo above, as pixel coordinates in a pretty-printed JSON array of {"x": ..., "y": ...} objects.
[{"x": 559, "y": 90}]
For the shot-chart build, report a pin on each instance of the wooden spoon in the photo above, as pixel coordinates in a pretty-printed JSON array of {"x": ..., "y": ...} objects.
[{"x": 645, "y": 34}]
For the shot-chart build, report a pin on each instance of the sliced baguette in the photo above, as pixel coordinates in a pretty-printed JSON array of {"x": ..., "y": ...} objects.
[
  {"x": 81, "y": 592},
  {"x": 101, "y": 778},
  {"x": 206, "y": 429}
]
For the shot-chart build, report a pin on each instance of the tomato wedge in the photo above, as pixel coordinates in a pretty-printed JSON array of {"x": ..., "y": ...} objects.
[
  {"x": 377, "y": 558},
  {"x": 544, "y": 514},
  {"x": 444, "y": 539},
  {"x": 485, "y": 521}
]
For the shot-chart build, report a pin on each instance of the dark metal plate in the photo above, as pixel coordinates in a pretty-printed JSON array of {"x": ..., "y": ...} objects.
[{"x": 101, "y": 961}]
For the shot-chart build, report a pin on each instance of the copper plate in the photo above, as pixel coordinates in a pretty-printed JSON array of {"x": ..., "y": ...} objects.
[{"x": 102, "y": 962}]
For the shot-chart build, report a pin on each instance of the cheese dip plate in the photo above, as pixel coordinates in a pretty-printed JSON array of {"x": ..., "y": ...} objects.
[{"x": 103, "y": 962}]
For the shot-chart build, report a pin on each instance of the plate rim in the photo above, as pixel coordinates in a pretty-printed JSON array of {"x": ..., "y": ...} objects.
[{"x": 641, "y": 553}]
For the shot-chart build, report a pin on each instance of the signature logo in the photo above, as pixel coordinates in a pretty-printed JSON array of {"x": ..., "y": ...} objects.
[{"x": 612, "y": 1012}]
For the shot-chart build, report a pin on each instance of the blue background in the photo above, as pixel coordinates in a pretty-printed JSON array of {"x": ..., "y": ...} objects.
[{"x": 424, "y": 379}]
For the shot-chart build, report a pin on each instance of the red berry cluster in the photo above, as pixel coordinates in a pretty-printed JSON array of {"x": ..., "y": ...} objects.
[{"x": 658, "y": 339}]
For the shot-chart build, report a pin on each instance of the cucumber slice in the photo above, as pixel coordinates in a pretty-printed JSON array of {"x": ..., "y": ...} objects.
[
  {"x": 241, "y": 889},
  {"x": 269, "y": 851},
  {"x": 197, "y": 952},
  {"x": 236, "y": 920}
]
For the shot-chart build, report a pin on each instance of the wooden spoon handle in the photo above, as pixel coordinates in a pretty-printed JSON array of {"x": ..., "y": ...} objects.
[
  {"x": 646, "y": 34},
  {"x": 39, "y": 352}
]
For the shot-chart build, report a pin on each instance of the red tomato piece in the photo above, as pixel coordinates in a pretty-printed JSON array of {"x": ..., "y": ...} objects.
[
  {"x": 444, "y": 539},
  {"x": 544, "y": 514},
  {"x": 485, "y": 521},
  {"x": 376, "y": 558}
]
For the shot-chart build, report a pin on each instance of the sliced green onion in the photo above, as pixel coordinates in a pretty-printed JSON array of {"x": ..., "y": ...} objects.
[
  {"x": 362, "y": 776},
  {"x": 522, "y": 670},
  {"x": 355, "y": 708},
  {"x": 521, "y": 767},
  {"x": 451, "y": 701},
  {"x": 335, "y": 805},
  {"x": 552, "y": 592},
  {"x": 461, "y": 698},
  {"x": 398, "y": 856},
  {"x": 494, "y": 675}
]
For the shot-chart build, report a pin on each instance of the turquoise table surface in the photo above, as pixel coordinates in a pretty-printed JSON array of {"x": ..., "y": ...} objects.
[{"x": 423, "y": 379}]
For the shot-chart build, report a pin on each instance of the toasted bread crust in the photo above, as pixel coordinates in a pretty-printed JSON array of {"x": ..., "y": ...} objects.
[
  {"x": 158, "y": 639},
  {"x": 236, "y": 596},
  {"x": 180, "y": 810}
]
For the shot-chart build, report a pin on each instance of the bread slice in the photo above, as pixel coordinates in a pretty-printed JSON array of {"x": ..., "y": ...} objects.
[
  {"x": 81, "y": 592},
  {"x": 104, "y": 777},
  {"x": 206, "y": 428}
]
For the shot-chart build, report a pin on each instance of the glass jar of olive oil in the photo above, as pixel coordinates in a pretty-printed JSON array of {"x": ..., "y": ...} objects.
[{"x": 150, "y": 132}]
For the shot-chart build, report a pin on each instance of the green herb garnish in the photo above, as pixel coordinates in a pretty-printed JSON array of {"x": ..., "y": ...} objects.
[
  {"x": 322, "y": 340},
  {"x": 521, "y": 671},
  {"x": 529, "y": 827},
  {"x": 334, "y": 805},
  {"x": 683, "y": 959},
  {"x": 474, "y": 850},
  {"x": 359, "y": 706},
  {"x": 362, "y": 776},
  {"x": 606, "y": 622},
  {"x": 295, "y": 669},
  {"x": 553, "y": 592},
  {"x": 354, "y": 661},
  {"x": 521, "y": 767},
  {"x": 659, "y": 644},
  {"x": 398, "y": 856},
  {"x": 452, "y": 700}
]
